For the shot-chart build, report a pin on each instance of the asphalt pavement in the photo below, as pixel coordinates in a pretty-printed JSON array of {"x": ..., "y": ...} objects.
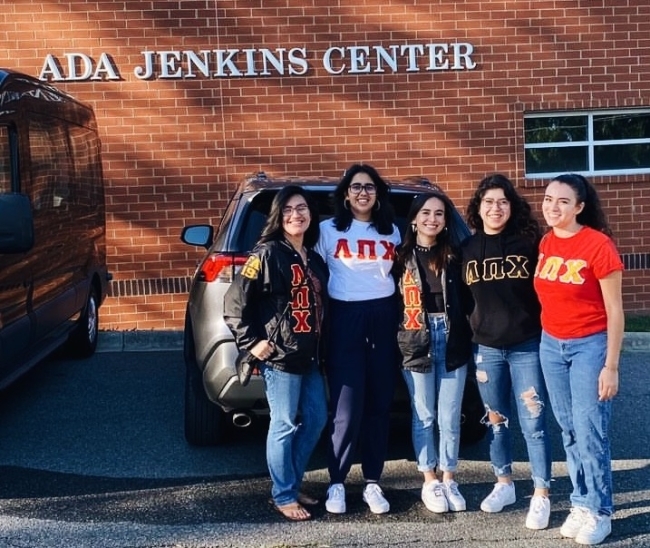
[
  {"x": 154, "y": 340},
  {"x": 92, "y": 454}
]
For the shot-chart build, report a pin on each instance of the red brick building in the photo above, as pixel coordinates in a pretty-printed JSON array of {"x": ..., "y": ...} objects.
[{"x": 193, "y": 95}]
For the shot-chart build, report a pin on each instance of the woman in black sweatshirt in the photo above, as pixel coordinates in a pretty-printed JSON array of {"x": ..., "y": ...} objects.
[{"x": 498, "y": 267}]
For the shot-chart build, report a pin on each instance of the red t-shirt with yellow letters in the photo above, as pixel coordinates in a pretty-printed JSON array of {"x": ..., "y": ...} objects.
[{"x": 566, "y": 282}]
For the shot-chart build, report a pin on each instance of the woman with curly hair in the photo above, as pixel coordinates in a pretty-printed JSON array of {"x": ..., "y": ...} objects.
[{"x": 498, "y": 266}]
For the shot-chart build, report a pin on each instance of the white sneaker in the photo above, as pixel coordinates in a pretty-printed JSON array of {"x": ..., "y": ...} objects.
[
  {"x": 502, "y": 495},
  {"x": 574, "y": 522},
  {"x": 455, "y": 500},
  {"x": 539, "y": 512},
  {"x": 594, "y": 530},
  {"x": 373, "y": 496},
  {"x": 433, "y": 496},
  {"x": 335, "y": 503}
]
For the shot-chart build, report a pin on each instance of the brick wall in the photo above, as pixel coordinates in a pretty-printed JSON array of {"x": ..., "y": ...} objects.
[{"x": 174, "y": 149}]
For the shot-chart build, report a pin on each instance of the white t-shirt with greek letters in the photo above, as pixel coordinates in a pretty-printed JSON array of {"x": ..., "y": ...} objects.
[{"x": 359, "y": 260}]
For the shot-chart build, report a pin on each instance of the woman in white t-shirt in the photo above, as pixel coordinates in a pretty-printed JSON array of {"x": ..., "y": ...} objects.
[{"x": 358, "y": 245}]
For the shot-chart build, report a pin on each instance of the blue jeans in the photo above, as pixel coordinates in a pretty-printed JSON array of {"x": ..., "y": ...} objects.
[
  {"x": 437, "y": 394},
  {"x": 298, "y": 409},
  {"x": 571, "y": 369},
  {"x": 500, "y": 373}
]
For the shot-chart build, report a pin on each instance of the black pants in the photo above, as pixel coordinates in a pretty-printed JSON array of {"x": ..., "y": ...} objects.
[{"x": 361, "y": 374}]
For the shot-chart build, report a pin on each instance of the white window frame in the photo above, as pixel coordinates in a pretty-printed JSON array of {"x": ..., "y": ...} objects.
[{"x": 589, "y": 142}]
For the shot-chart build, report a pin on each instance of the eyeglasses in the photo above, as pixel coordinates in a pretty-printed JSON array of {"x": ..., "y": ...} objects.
[
  {"x": 301, "y": 209},
  {"x": 357, "y": 188},
  {"x": 501, "y": 204}
]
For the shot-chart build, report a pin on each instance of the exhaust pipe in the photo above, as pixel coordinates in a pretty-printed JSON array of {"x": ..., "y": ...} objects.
[{"x": 241, "y": 420}]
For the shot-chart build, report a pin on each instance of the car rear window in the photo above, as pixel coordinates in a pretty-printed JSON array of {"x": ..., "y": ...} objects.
[
  {"x": 247, "y": 224},
  {"x": 243, "y": 225}
]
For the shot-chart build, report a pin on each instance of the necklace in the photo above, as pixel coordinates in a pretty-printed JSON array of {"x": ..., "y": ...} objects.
[{"x": 424, "y": 248}]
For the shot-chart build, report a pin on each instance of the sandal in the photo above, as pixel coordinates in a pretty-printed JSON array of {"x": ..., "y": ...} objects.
[
  {"x": 307, "y": 500},
  {"x": 291, "y": 512}
]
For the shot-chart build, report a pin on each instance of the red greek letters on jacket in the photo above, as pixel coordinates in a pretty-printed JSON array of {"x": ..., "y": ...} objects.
[
  {"x": 412, "y": 303},
  {"x": 300, "y": 303}
]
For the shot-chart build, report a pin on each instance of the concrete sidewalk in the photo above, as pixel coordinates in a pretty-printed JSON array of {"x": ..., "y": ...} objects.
[{"x": 149, "y": 341}]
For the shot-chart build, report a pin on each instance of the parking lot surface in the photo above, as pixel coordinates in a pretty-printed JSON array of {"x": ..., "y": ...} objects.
[{"x": 92, "y": 454}]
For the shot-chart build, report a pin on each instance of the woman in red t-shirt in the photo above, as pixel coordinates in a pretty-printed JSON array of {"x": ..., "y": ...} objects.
[{"x": 578, "y": 282}]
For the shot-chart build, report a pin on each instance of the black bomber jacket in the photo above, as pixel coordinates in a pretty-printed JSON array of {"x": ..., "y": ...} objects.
[
  {"x": 413, "y": 333},
  {"x": 257, "y": 300}
]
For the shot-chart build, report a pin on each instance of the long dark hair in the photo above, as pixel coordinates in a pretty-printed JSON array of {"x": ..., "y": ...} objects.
[
  {"x": 521, "y": 222},
  {"x": 273, "y": 229},
  {"x": 443, "y": 252},
  {"x": 592, "y": 214},
  {"x": 382, "y": 213}
]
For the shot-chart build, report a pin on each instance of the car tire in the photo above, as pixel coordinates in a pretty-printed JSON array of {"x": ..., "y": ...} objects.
[
  {"x": 205, "y": 422},
  {"x": 82, "y": 342},
  {"x": 472, "y": 427}
]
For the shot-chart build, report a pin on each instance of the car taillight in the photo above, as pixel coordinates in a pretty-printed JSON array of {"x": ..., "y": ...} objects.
[{"x": 221, "y": 267}]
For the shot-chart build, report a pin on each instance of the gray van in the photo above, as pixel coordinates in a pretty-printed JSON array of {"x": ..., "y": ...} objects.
[{"x": 53, "y": 274}]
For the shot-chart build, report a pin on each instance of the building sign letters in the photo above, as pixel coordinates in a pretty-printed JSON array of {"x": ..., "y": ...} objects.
[{"x": 263, "y": 62}]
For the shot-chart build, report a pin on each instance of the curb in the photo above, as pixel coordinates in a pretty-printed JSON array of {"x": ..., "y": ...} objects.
[
  {"x": 152, "y": 341},
  {"x": 139, "y": 341},
  {"x": 636, "y": 342}
]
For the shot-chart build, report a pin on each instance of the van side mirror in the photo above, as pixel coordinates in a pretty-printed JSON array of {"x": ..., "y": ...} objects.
[{"x": 16, "y": 223}]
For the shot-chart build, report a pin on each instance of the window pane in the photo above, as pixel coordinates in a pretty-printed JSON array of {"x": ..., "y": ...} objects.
[
  {"x": 622, "y": 126},
  {"x": 87, "y": 190},
  {"x": 622, "y": 157},
  {"x": 546, "y": 160},
  {"x": 48, "y": 148},
  {"x": 555, "y": 129}
]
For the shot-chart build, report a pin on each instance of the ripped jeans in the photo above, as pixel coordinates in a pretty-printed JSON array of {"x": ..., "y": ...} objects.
[{"x": 500, "y": 373}]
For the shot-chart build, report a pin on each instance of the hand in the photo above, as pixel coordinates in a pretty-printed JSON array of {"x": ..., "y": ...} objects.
[
  {"x": 607, "y": 384},
  {"x": 263, "y": 350}
]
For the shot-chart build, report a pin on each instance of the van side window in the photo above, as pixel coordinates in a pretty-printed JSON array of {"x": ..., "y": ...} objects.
[
  {"x": 5, "y": 160},
  {"x": 87, "y": 188},
  {"x": 50, "y": 164}
]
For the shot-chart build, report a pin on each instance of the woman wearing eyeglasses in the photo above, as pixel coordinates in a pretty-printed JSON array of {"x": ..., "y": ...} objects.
[
  {"x": 358, "y": 245},
  {"x": 283, "y": 284},
  {"x": 498, "y": 267}
]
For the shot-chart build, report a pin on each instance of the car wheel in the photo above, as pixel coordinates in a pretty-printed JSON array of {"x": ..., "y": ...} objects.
[
  {"x": 205, "y": 422},
  {"x": 83, "y": 340},
  {"x": 472, "y": 427}
]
